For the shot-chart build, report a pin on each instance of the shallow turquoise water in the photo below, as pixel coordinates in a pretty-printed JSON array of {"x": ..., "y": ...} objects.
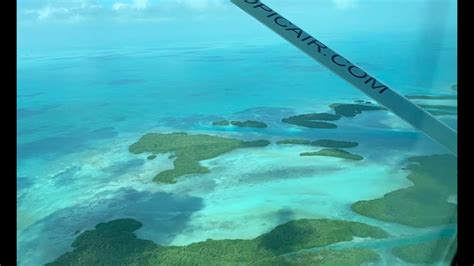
[{"x": 80, "y": 109}]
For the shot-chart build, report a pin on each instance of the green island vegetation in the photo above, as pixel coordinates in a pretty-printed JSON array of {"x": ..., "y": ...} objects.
[
  {"x": 255, "y": 143},
  {"x": 423, "y": 204},
  {"x": 329, "y": 143},
  {"x": 151, "y": 157},
  {"x": 432, "y": 97},
  {"x": 294, "y": 141},
  {"x": 317, "y": 116},
  {"x": 221, "y": 123},
  {"x": 440, "y": 109},
  {"x": 436, "y": 112},
  {"x": 334, "y": 152},
  {"x": 114, "y": 243},
  {"x": 436, "y": 109},
  {"x": 430, "y": 252},
  {"x": 310, "y": 120},
  {"x": 248, "y": 123},
  {"x": 188, "y": 151},
  {"x": 350, "y": 110},
  {"x": 362, "y": 101},
  {"x": 340, "y": 109}
]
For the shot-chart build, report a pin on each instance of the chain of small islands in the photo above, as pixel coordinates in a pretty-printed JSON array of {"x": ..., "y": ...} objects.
[{"x": 422, "y": 205}]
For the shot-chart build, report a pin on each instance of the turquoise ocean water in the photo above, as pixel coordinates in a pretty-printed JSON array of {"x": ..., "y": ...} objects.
[{"x": 79, "y": 108}]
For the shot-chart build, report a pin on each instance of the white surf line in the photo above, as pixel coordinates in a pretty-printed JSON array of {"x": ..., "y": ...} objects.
[{"x": 397, "y": 103}]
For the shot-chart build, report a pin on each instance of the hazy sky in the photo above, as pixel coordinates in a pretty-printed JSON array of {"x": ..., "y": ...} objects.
[{"x": 63, "y": 24}]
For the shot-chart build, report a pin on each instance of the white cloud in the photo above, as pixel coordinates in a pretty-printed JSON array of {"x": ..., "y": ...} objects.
[
  {"x": 136, "y": 5},
  {"x": 344, "y": 4},
  {"x": 118, "y": 6},
  {"x": 194, "y": 5},
  {"x": 46, "y": 12},
  {"x": 127, "y": 10},
  {"x": 70, "y": 11},
  {"x": 201, "y": 5},
  {"x": 140, "y": 4}
]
